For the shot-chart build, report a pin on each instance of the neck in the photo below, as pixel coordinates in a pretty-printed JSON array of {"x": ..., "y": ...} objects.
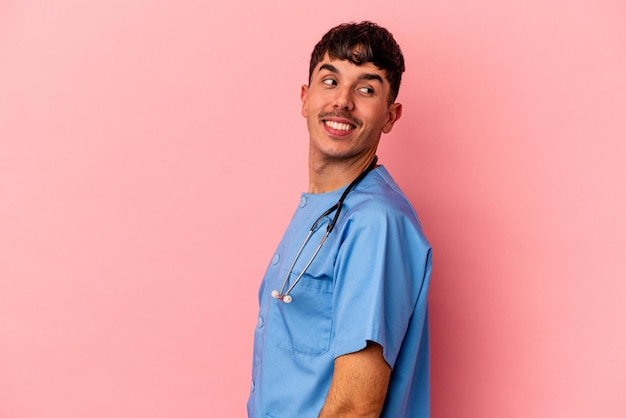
[{"x": 326, "y": 176}]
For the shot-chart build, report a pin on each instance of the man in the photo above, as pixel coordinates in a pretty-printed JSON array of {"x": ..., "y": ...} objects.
[{"x": 343, "y": 328}]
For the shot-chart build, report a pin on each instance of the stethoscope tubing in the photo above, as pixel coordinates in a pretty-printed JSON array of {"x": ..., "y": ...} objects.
[{"x": 285, "y": 296}]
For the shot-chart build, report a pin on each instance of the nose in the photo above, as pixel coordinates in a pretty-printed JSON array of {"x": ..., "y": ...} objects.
[{"x": 343, "y": 99}]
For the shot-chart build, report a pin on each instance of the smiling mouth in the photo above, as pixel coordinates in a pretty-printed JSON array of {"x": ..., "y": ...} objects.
[{"x": 338, "y": 126}]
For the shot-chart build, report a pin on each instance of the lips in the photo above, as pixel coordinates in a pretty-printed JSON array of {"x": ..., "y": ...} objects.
[{"x": 338, "y": 126}]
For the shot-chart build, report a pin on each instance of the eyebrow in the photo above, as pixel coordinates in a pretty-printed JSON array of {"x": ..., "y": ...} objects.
[{"x": 364, "y": 76}]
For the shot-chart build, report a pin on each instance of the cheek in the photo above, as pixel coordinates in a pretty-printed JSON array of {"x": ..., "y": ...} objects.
[{"x": 377, "y": 119}]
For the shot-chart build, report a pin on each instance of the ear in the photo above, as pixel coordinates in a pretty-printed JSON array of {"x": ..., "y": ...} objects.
[
  {"x": 394, "y": 113},
  {"x": 304, "y": 97}
]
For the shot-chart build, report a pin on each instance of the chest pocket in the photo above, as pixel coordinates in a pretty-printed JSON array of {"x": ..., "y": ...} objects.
[{"x": 304, "y": 325}]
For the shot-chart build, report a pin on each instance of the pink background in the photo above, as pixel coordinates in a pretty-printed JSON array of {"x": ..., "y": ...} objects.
[{"x": 152, "y": 152}]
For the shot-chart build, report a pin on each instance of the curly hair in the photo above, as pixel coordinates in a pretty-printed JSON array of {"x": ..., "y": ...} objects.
[{"x": 360, "y": 43}]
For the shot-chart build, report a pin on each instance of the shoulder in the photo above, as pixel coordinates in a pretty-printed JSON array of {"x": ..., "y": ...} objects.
[
  {"x": 380, "y": 196},
  {"x": 379, "y": 207}
]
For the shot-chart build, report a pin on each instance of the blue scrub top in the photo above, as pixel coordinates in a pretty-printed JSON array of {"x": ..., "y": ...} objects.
[{"x": 369, "y": 282}]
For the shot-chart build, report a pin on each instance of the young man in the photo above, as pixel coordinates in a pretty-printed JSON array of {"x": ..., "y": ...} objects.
[{"x": 343, "y": 327}]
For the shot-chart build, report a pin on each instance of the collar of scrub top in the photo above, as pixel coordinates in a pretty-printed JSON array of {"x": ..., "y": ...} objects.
[{"x": 285, "y": 296}]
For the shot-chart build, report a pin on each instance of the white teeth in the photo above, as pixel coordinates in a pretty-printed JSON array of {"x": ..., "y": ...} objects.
[{"x": 338, "y": 126}]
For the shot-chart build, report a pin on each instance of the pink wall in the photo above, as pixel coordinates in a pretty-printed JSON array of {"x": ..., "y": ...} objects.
[{"x": 148, "y": 148}]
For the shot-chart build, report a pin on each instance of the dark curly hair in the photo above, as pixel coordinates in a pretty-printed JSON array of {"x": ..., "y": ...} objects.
[{"x": 360, "y": 43}]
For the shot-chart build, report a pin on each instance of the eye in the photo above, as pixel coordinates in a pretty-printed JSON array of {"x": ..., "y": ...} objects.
[
  {"x": 329, "y": 82},
  {"x": 366, "y": 90}
]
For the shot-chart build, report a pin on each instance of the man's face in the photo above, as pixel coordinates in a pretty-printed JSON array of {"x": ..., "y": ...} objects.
[{"x": 347, "y": 110}]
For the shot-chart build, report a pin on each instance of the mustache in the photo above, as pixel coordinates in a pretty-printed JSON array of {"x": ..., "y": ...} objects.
[{"x": 342, "y": 115}]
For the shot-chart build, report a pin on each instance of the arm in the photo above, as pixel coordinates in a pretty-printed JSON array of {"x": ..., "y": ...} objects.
[{"x": 359, "y": 384}]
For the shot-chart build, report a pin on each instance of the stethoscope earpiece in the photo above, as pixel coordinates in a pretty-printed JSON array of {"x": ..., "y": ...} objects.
[{"x": 284, "y": 298}]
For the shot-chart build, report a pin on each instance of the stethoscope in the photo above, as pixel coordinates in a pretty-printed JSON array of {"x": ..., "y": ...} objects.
[{"x": 285, "y": 296}]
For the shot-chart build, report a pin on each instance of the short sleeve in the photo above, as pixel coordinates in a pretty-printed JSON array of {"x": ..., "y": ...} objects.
[{"x": 381, "y": 267}]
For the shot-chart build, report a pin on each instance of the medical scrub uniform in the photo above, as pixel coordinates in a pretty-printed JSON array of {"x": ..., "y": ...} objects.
[{"x": 369, "y": 282}]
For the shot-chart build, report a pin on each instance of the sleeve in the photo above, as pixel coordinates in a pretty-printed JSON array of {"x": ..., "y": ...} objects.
[{"x": 382, "y": 270}]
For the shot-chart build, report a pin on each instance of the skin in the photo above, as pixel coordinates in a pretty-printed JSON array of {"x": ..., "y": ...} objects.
[
  {"x": 359, "y": 385},
  {"x": 347, "y": 110},
  {"x": 350, "y": 95}
]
